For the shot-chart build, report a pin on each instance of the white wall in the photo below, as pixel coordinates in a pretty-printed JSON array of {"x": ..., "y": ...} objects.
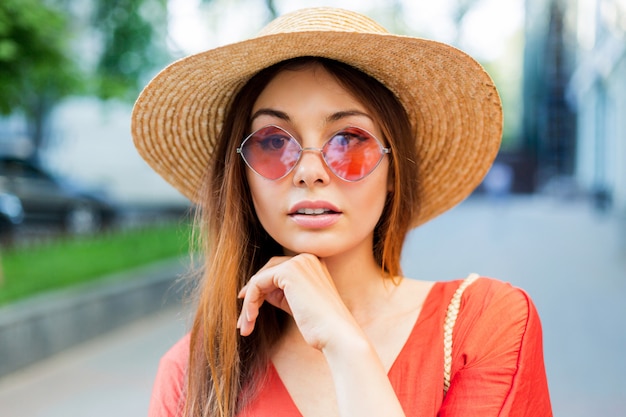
[{"x": 91, "y": 143}]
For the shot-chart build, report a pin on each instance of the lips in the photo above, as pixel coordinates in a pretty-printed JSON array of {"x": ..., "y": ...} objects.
[
  {"x": 315, "y": 208},
  {"x": 314, "y": 214}
]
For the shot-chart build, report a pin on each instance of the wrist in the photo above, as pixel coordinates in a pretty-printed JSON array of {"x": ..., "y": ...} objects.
[{"x": 349, "y": 348}]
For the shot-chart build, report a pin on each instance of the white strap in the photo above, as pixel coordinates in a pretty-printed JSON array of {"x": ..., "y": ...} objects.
[{"x": 448, "y": 326}]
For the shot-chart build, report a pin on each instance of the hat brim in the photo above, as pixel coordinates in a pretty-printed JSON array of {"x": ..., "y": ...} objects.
[{"x": 452, "y": 102}]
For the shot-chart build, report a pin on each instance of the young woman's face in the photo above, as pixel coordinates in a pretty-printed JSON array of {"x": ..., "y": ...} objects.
[{"x": 311, "y": 210}]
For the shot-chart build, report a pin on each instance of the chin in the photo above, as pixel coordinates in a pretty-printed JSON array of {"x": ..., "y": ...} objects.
[
  {"x": 318, "y": 250},
  {"x": 325, "y": 246}
]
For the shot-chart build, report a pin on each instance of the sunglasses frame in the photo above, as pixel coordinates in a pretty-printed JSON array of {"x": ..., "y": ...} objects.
[{"x": 383, "y": 151}]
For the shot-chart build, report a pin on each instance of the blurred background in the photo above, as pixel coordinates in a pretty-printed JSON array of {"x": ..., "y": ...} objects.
[{"x": 93, "y": 243}]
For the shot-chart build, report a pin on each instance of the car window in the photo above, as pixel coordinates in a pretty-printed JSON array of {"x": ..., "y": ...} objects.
[{"x": 21, "y": 170}]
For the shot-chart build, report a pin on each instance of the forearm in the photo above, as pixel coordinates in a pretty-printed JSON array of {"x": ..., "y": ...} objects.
[{"x": 361, "y": 383}]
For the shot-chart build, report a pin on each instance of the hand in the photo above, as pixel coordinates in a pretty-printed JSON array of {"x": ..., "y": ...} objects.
[{"x": 301, "y": 286}]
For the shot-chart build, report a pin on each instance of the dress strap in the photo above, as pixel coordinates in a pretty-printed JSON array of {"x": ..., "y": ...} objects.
[{"x": 448, "y": 326}]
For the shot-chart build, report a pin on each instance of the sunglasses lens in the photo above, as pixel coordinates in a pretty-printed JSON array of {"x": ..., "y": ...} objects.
[
  {"x": 352, "y": 153},
  {"x": 271, "y": 152}
]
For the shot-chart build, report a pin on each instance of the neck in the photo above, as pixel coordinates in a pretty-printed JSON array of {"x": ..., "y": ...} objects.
[{"x": 360, "y": 281}]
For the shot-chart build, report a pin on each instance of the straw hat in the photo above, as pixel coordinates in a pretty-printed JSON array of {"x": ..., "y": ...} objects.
[{"x": 452, "y": 103}]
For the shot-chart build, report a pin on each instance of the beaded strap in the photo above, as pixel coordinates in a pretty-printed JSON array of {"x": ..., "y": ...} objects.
[{"x": 448, "y": 326}]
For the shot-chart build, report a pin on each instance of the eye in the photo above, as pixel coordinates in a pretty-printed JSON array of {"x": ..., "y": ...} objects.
[
  {"x": 270, "y": 139},
  {"x": 350, "y": 137},
  {"x": 274, "y": 142}
]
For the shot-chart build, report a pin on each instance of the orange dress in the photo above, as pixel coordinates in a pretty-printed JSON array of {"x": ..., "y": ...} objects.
[{"x": 497, "y": 362}]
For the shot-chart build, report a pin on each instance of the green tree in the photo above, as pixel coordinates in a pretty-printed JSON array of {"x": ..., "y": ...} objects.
[
  {"x": 35, "y": 68},
  {"x": 270, "y": 5},
  {"x": 133, "y": 34},
  {"x": 41, "y": 63}
]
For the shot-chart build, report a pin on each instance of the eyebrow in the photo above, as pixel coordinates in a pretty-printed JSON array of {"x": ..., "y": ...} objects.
[
  {"x": 270, "y": 112},
  {"x": 347, "y": 113},
  {"x": 331, "y": 118}
]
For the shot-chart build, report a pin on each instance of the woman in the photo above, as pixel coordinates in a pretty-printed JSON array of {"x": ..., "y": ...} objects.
[{"x": 311, "y": 150}]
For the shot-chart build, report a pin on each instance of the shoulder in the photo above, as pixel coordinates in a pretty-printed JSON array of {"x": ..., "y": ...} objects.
[
  {"x": 492, "y": 297},
  {"x": 483, "y": 296},
  {"x": 480, "y": 293},
  {"x": 495, "y": 313},
  {"x": 178, "y": 355},
  {"x": 497, "y": 353},
  {"x": 488, "y": 292},
  {"x": 168, "y": 389}
]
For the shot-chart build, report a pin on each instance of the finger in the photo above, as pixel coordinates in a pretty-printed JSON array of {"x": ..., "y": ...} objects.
[
  {"x": 277, "y": 299},
  {"x": 254, "y": 294},
  {"x": 264, "y": 286},
  {"x": 274, "y": 261},
  {"x": 253, "y": 298},
  {"x": 242, "y": 292}
]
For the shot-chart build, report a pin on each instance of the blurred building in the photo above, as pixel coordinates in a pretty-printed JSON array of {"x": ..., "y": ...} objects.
[
  {"x": 574, "y": 129},
  {"x": 598, "y": 92},
  {"x": 549, "y": 123}
]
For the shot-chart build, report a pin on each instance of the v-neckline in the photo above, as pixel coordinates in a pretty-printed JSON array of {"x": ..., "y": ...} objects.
[{"x": 420, "y": 318}]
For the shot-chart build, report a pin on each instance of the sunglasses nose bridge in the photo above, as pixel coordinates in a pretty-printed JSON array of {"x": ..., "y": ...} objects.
[{"x": 311, "y": 149}]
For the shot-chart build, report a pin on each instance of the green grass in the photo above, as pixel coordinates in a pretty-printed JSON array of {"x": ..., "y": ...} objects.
[{"x": 34, "y": 269}]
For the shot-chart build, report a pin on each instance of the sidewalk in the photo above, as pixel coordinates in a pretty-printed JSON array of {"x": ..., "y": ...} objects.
[
  {"x": 109, "y": 376},
  {"x": 570, "y": 260}
]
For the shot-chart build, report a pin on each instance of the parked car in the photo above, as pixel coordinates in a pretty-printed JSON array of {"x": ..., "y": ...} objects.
[
  {"x": 11, "y": 215},
  {"x": 49, "y": 200}
]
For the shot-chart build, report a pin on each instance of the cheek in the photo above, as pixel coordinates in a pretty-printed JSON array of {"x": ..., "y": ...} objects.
[
  {"x": 370, "y": 199},
  {"x": 376, "y": 202},
  {"x": 264, "y": 198}
]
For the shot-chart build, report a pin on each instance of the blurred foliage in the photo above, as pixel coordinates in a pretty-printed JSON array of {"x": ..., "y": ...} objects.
[
  {"x": 270, "y": 5},
  {"x": 44, "y": 48},
  {"x": 35, "y": 65},
  {"x": 132, "y": 33}
]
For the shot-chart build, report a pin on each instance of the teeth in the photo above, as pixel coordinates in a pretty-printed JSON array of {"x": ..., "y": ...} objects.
[{"x": 312, "y": 211}]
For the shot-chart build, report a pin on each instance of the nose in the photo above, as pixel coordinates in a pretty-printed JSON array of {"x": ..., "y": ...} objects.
[{"x": 311, "y": 169}]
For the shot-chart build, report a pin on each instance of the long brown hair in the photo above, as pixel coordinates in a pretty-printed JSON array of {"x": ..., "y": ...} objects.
[{"x": 224, "y": 368}]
